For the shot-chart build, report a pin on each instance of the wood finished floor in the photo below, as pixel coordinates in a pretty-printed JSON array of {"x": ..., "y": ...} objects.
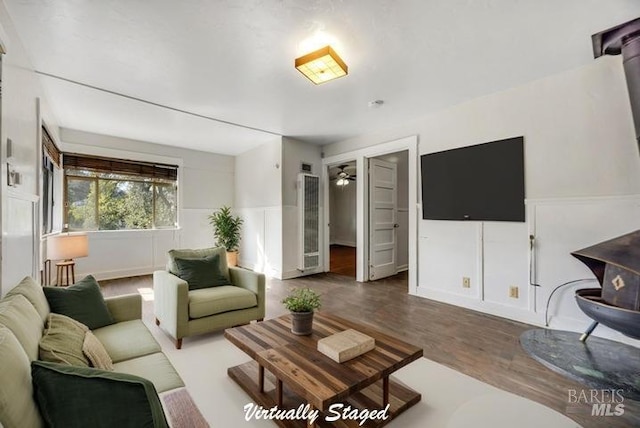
[
  {"x": 479, "y": 345},
  {"x": 342, "y": 260}
]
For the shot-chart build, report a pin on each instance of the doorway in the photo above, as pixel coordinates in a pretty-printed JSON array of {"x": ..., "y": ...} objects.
[
  {"x": 342, "y": 218},
  {"x": 362, "y": 156}
]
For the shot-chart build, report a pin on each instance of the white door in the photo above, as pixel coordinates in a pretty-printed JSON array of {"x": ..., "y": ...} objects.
[{"x": 382, "y": 218}]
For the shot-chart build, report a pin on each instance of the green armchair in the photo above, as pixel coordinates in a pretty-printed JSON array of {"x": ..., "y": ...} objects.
[{"x": 182, "y": 312}]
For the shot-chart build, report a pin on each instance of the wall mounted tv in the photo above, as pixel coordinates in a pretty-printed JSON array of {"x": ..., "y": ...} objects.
[{"x": 482, "y": 182}]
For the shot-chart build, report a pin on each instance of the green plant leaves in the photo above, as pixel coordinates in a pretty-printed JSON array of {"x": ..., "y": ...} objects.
[{"x": 226, "y": 228}]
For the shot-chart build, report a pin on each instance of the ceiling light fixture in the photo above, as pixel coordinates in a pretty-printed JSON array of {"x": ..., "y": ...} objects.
[
  {"x": 322, "y": 65},
  {"x": 341, "y": 182}
]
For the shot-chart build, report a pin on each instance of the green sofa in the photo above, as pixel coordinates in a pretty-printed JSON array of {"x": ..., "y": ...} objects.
[
  {"x": 23, "y": 313},
  {"x": 182, "y": 312}
]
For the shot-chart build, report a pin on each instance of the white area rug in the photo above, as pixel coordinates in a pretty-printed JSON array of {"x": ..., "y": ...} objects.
[{"x": 449, "y": 399}]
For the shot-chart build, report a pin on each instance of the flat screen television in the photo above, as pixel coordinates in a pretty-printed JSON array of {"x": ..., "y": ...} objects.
[{"x": 482, "y": 182}]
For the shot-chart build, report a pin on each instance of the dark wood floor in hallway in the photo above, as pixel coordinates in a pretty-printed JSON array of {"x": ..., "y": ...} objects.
[
  {"x": 479, "y": 345},
  {"x": 342, "y": 260}
]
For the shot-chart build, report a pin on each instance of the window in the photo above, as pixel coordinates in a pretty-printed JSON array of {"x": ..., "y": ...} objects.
[
  {"x": 50, "y": 162},
  {"x": 114, "y": 194}
]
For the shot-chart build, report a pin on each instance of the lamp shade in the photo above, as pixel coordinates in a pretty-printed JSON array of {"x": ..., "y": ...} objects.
[{"x": 67, "y": 246}]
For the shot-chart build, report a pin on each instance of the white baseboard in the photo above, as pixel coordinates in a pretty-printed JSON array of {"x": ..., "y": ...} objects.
[
  {"x": 516, "y": 314},
  {"x": 402, "y": 268},
  {"x": 121, "y": 273},
  {"x": 296, "y": 273}
]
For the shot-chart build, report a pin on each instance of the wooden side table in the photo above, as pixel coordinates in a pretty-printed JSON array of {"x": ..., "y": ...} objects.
[{"x": 63, "y": 270}]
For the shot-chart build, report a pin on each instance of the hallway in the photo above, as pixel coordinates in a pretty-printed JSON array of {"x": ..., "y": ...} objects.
[{"x": 343, "y": 260}]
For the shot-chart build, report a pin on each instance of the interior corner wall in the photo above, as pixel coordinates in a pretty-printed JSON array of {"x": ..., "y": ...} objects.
[
  {"x": 294, "y": 153},
  {"x": 23, "y": 105},
  {"x": 205, "y": 184},
  {"x": 258, "y": 201},
  {"x": 582, "y": 176}
]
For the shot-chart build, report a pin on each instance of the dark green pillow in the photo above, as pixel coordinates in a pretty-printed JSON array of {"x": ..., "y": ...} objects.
[
  {"x": 71, "y": 396},
  {"x": 82, "y": 301},
  {"x": 201, "y": 272}
]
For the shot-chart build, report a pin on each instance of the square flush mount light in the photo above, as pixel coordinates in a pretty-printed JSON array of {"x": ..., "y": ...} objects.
[{"x": 322, "y": 65}]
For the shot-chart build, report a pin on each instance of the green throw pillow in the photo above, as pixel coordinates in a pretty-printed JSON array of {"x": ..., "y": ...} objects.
[
  {"x": 70, "y": 396},
  {"x": 199, "y": 253},
  {"x": 201, "y": 272},
  {"x": 82, "y": 301}
]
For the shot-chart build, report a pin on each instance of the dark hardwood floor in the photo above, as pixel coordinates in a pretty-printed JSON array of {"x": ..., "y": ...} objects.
[
  {"x": 479, "y": 345},
  {"x": 342, "y": 260}
]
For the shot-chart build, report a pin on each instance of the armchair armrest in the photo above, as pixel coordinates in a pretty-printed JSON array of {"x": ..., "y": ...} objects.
[
  {"x": 252, "y": 281},
  {"x": 125, "y": 308},
  {"x": 171, "y": 303}
]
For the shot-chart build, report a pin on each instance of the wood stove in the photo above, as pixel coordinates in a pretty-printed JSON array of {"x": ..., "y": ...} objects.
[{"x": 616, "y": 265}]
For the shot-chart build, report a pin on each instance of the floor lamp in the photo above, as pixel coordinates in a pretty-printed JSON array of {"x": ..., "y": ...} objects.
[{"x": 66, "y": 247}]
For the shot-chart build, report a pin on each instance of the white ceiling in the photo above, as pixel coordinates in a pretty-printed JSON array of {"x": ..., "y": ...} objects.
[{"x": 233, "y": 60}]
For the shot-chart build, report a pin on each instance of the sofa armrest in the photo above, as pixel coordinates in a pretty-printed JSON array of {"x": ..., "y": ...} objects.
[
  {"x": 125, "y": 308},
  {"x": 171, "y": 303},
  {"x": 252, "y": 281}
]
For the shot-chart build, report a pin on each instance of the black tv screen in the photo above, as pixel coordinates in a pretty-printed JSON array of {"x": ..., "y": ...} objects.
[{"x": 482, "y": 182}]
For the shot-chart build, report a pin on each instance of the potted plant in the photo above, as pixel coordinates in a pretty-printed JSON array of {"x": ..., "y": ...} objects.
[
  {"x": 226, "y": 228},
  {"x": 302, "y": 302}
]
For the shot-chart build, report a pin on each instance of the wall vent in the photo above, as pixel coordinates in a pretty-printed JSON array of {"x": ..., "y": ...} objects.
[
  {"x": 306, "y": 167},
  {"x": 309, "y": 206}
]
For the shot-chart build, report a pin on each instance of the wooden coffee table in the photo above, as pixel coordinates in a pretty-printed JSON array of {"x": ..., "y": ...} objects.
[{"x": 298, "y": 374}]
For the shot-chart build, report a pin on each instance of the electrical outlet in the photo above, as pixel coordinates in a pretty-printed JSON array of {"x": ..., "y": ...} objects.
[
  {"x": 466, "y": 282},
  {"x": 513, "y": 292}
]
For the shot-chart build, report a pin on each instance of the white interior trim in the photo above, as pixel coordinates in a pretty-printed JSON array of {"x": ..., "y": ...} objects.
[{"x": 361, "y": 157}]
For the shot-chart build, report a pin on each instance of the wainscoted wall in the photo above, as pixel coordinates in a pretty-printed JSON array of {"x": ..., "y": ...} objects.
[
  {"x": 261, "y": 246},
  {"x": 582, "y": 177},
  {"x": 117, "y": 254},
  {"x": 114, "y": 254},
  {"x": 496, "y": 256},
  {"x": 564, "y": 225},
  {"x": 21, "y": 255}
]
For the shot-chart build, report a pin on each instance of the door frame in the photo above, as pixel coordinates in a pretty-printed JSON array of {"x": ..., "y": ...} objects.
[{"x": 362, "y": 156}]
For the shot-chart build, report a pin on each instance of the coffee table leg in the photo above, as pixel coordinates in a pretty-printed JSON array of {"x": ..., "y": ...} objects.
[
  {"x": 261, "y": 378},
  {"x": 279, "y": 392},
  {"x": 385, "y": 391}
]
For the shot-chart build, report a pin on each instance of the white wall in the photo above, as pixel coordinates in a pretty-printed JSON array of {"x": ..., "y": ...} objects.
[
  {"x": 258, "y": 201},
  {"x": 582, "y": 186},
  {"x": 23, "y": 109},
  {"x": 293, "y": 154},
  {"x": 342, "y": 213},
  {"x": 205, "y": 183}
]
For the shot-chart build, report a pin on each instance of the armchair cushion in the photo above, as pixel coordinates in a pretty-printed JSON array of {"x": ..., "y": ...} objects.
[
  {"x": 70, "y": 396},
  {"x": 201, "y": 272},
  {"x": 198, "y": 254},
  {"x": 216, "y": 300},
  {"x": 83, "y": 301}
]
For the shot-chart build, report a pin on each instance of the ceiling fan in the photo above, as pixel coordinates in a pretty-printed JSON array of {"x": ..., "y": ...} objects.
[{"x": 343, "y": 177}]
